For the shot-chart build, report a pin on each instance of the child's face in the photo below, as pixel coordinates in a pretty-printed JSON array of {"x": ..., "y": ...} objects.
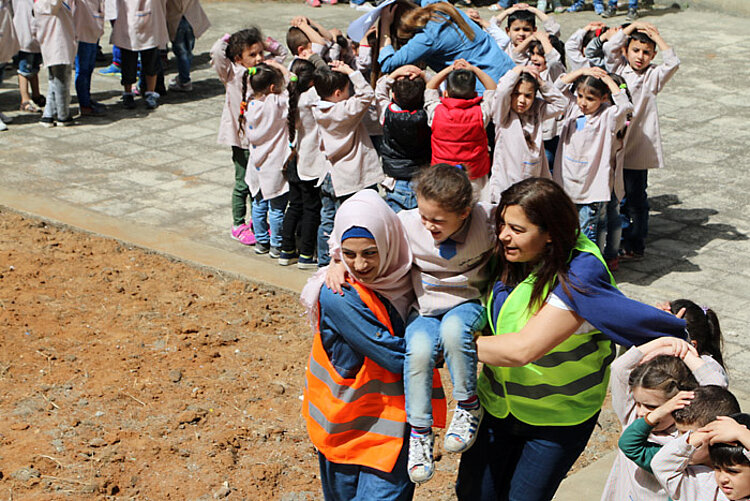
[
  {"x": 588, "y": 102},
  {"x": 639, "y": 54},
  {"x": 439, "y": 222},
  {"x": 251, "y": 56},
  {"x": 519, "y": 31},
  {"x": 522, "y": 97},
  {"x": 647, "y": 400},
  {"x": 536, "y": 58},
  {"x": 734, "y": 481}
]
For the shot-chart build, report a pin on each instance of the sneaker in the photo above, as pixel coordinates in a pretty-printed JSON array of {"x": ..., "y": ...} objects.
[
  {"x": 559, "y": 9},
  {"x": 494, "y": 7},
  {"x": 306, "y": 263},
  {"x": 39, "y": 100},
  {"x": 576, "y": 7},
  {"x": 2, "y": 125},
  {"x": 541, "y": 5},
  {"x": 462, "y": 432},
  {"x": 244, "y": 234},
  {"x": 111, "y": 70},
  {"x": 66, "y": 122},
  {"x": 421, "y": 465},
  {"x": 152, "y": 100},
  {"x": 262, "y": 248},
  {"x": 274, "y": 252},
  {"x": 178, "y": 86},
  {"x": 128, "y": 101},
  {"x": 313, "y": 3},
  {"x": 47, "y": 122},
  {"x": 610, "y": 11},
  {"x": 287, "y": 258},
  {"x": 632, "y": 15}
]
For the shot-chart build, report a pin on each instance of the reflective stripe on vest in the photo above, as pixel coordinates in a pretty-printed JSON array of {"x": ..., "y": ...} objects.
[
  {"x": 360, "y": 420},
  {"x": 564, "y": 387}
]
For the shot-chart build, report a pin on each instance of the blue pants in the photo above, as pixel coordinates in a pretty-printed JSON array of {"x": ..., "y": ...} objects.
[
  {"x": 426, "y": 337},
  {"x": 592, "y": 219},
  {"x": 85, "y": 63},
  {"x": 635, "y": 208},
  {"x": 265, "y": 212},
  {"x": 182, "y": 46},
  {"x": 351, "y": 482},
  {"x": 517, "y": 461},
  {"x": 402, "y": 197},
  {"x": 329, "y": 205}
]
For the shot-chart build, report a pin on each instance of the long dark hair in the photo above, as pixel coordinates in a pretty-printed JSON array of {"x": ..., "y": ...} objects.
[
  {"x": 261, "y": 78},
  {"x": 702, "y": 326},
  {"x": 545, "y": 205},
  {"x": 304, "y": 70}
]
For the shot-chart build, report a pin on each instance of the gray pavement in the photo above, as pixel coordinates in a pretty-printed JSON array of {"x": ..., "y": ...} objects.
[{"x": 158, "y": 179}]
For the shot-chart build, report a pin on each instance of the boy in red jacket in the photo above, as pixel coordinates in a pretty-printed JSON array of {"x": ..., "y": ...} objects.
[{"x": 459, "y": 119}]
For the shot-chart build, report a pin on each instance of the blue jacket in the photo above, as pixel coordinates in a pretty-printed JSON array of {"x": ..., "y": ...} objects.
[{"x": 438, "y": 44}]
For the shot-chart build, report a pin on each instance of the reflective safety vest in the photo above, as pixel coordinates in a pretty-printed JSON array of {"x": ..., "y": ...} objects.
[
  {"x": 360, "y": 420},
  {"x": 566, "y": 386}
]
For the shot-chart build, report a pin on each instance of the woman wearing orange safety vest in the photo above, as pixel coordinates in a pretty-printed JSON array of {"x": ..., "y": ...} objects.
[{"x": 354, "y": 393}]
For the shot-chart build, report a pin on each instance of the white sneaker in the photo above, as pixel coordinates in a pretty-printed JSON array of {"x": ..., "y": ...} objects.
[
  {"x": 421, "y": 466},
  {"x": 3, "y": 126},
  {"x": 178, "y": 86},
  {"x": 462, "y": 432}
]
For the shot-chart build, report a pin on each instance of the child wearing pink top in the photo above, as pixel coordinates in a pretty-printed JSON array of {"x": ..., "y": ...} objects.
[
  {"x": 629, "y": 53},
  {"x": 231, "y": 56},
  {"x": 56, "y": 33}
]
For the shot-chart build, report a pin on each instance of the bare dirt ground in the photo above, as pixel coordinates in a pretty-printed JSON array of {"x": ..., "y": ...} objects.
[{"x": 128, "y": 375}]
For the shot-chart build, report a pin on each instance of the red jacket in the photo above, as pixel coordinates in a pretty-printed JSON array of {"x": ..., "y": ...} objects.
[{"x": 459, "y": 136}]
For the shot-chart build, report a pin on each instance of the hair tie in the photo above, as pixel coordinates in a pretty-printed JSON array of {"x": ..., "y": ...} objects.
[
  {"x": 252, "y": 70},
  {"x": 623, "y": 85},
  {"x": 293, "y": 77},
  {"x": 705, "y": 310}
]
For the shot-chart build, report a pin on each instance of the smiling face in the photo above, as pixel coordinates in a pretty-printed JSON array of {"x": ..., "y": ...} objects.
[
  {"x": 519, "y": 31},
  {"x": 640, "y": 54},
  {"x": 522, "y": 97},
  {"x": 522, "y": 240},
  {"x": 361, "y": 257},
  {"x": 439, "y": 222},
  {"x": 251, "y": 56},
  {"x": 734, "y": 481},
  {"x": 646, "y": 400},
  {"x": 587, "y": 100}
]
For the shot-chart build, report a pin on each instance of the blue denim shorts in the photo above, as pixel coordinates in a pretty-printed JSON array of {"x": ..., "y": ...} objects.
[{"x": 29, "y": 63}]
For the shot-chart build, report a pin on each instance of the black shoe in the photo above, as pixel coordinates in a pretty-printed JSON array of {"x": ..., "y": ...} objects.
[
  {"x": 47, "y": 122},
  {"x": 610, "y": 12},
  {"x": 66, "y": 122},
  {"x": 40, "y": 101},
  {"x": 128, "y": 101}
]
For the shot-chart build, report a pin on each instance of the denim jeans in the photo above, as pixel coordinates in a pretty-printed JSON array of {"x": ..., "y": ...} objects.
[
  {"x": 518, "y": 461},
  {"x": 29, "y": 63},
  {"x": 85, "y": 63},
  {"x": 550, "y": 149},
  {"x": 182, "y": 46},
  {"x": 267, "y": 212},
  {"x": 58, "y": 92},
  {"x": 609, "y": 242},
  {"x": 351, "y": 482},
  {"x": 426, "y": 337},
  {"x": 635, "y": 209},
  {"x": 329, "y": 204},
  {"x": 592, "y": 219},
  {"x": 402, "y": 197},
  {"x": 241, "y": 190}
]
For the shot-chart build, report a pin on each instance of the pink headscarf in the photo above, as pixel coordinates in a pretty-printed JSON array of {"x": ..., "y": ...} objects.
[{"x": 367, "y": 210}]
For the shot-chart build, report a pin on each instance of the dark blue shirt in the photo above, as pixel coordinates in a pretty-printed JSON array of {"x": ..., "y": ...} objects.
[
  {"x": 350, "y": 332},
  {"x": 624, "y": 320}
]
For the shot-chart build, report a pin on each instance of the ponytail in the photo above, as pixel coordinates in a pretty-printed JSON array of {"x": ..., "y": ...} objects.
[
  {"x": 703, "y": 328},
  {"x": 243, "y": 104},
  {"x": 304, "y": 70}
]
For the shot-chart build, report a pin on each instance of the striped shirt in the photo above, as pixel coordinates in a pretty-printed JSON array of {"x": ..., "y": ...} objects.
[{"x": 442, "y": 283}]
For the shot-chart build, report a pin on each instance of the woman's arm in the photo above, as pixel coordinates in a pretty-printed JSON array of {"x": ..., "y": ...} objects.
[{"x": 549, "y": 327}]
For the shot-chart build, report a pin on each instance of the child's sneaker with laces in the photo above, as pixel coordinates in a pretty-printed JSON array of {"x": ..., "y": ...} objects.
[
  {"x": 274, "y": 252},
  {"x": 421, "y": 465},
  {"x": 306, "y": 263},
  {"x": 287, "y": 258},
  {"x": 111, "y": 70},
  {"x": 462, "y": 432},
  {"x": 262, "y": 248},
  {"x": 244, "y": 234}
]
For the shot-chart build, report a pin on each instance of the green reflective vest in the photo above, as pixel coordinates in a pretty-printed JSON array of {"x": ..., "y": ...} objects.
[{"x": 563, "y": 388}]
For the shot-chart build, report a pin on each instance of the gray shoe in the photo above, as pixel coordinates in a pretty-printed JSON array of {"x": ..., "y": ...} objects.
[
  {"x": 178, "y": 86},
  {"x": 152, "y": 100},
  {"x": 262, "y": 248}
]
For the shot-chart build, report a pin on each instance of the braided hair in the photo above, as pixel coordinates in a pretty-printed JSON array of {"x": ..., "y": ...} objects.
[{"x": 236, "y": 45}]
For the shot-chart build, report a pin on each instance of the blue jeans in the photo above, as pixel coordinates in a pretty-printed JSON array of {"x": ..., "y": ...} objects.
[
  {"x": 351, "y": 482},
  {"x": 85, "y": 63},
  {"x": 265, "y": 212},
  {"x": 592, "y": 219},
  {"x": 329, "y": 205},
  {"x": 402, "y": 197},
  {"x": 550, "y": 149},
  {"x": 519, "y": 462},
  {"x": 632, "y": 4},
  {"x": 426, "y": 337},
  {"x": 29, "y": 63},
  {"x": 635, "y": 208},
  {"x": 611, "y": 240},
  {"x": 182, "y": 46}
]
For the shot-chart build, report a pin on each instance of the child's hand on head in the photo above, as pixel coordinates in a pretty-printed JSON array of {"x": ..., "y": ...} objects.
[
  {"x": 698, "y": 438},
  {"x": 341, "y": 67},
  {"x": 671, "y": 346},
  {"x": 679, "y": 401},
  {"x": 335, "y": 32},
  {"x": 595, "y": 72},
  {"x": 461, "y": 64},
  {"x": 473, "y": 15},
  {"x": 297, "y": 21},
  {"x": 541, "y": 35},
  {"x": 724, "y": 430},
  {"x": 409, "y": 71},
  {"x": 533, "y": 70},
  {"x": 593, "y": 26}
]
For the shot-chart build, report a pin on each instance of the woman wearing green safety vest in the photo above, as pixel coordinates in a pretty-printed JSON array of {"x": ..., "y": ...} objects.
[{"x": 555, "y": 314}]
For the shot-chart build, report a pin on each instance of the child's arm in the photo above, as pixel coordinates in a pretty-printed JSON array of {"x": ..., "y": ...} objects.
[
  {"x": 364, "y": 54},
  {"x": 434, "y": 82},
  {"x": 670, "y": 62},
  {"x": 623, "y": 105},
  {"x": 549, "y": 24},
  {"x": 277, "y": 50},
  {"x": 612, "y": 47},
  {"x": 503, "y": 93},
  {"x": 522, "y": 47},
  {"x": 483, "y": 77},
  {"x": 555, "y": 103},
  {"x": 671, "y": 468},
  {"x": 574, "y": 49},
  {"x": 319, "y": 27},
  {"x": 634, "y": 440},
  {"x": 498, "y": 33},
  {"x": 303, "y": 23},
  {"x": 383, "y": 86},
  {"x": 357, "y": 105},
  {"x": 474, "y": 16},
  {"x": 219, "y": 61}
]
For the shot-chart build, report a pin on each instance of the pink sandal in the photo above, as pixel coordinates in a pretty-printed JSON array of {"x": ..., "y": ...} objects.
[{"x": 244, "y": 233}]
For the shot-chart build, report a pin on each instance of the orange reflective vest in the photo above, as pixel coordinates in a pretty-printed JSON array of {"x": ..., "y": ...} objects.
[{"x": 360, "y": 420}]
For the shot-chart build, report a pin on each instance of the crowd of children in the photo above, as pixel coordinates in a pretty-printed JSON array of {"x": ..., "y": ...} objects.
[
  {"x": 64, "y": 35},
  {"x": 592, "y": 127}
]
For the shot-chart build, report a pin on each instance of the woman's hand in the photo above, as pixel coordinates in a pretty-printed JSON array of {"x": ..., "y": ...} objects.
[{"x": 336, "y": 277}]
